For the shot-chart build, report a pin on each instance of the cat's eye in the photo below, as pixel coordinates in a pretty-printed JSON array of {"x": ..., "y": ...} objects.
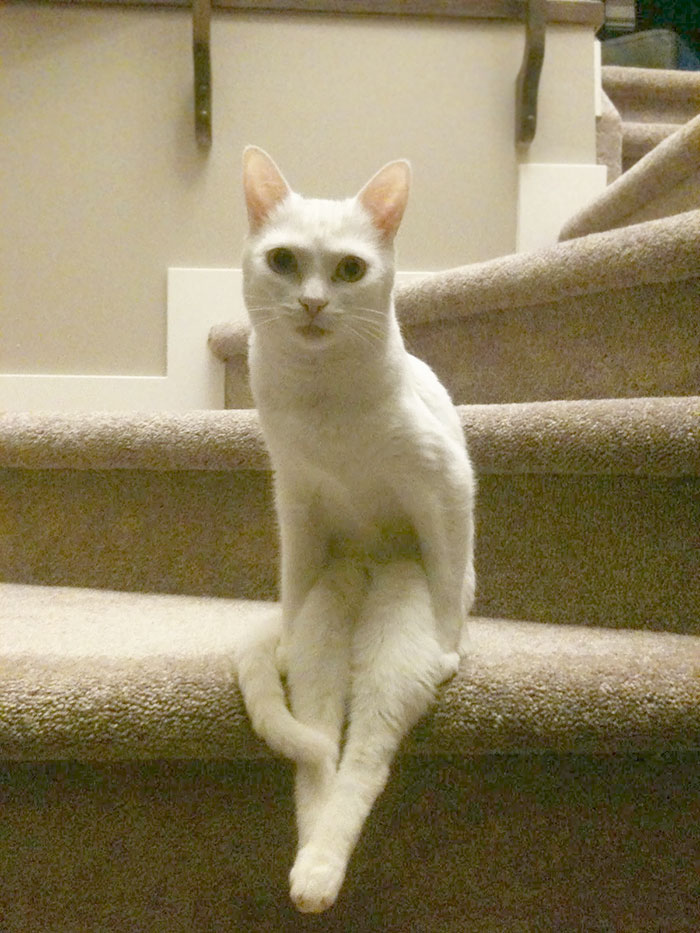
[
  {"x": 282, "y": 261},
  {"x": 350, "y": 269}
]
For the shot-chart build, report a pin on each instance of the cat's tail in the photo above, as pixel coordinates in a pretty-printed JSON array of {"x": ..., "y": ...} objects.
[{"x": 263, "y": 694}]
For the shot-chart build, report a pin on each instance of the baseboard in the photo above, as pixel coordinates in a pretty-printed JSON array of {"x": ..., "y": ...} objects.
[{"x": 194, "y": 378}]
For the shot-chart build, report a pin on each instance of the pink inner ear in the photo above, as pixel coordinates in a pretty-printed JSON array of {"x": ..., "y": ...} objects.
[
  {"x": 385, "y": 197},
  {"x": 263, "y": 184}
]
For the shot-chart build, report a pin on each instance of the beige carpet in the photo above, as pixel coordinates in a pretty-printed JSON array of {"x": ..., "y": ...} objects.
[
  {"x": 614, "y": 482},
  {"x": 653, "y": 104},
  {"x": 142, "y": 676},
  {"x": 556, "y": 786},
  {"x": 664, "y": 183},
  {"x": 494, "y": 844}
]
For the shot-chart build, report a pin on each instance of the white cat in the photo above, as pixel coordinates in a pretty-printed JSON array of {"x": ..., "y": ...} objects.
[{"x": 374, "y": 495}]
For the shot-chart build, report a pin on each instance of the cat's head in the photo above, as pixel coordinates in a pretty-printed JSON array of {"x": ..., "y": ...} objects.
[{"x": 320, "y": 272}]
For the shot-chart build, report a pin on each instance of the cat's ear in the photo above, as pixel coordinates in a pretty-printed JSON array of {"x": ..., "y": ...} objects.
[
  {"x": 385, "y": 197},
  {"x": 263, "y": 184}
]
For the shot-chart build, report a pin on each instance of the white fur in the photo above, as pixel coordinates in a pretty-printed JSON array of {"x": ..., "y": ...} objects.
[
  {"x": 263, "y": 694},
  {"x": 374, "y": 495}
]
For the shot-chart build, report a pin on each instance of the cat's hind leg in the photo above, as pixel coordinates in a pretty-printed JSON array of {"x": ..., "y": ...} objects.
[
  {"x": 318, "y": 675},
  {"x": 397, "y": 664}
]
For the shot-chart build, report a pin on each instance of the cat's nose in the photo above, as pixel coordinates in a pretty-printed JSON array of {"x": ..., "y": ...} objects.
[{"x": 313, "y": 307}]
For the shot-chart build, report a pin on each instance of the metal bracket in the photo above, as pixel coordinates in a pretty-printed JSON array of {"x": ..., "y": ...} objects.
[
  {"x": 529, "y": 74},
  {"x": 201, "y": 23}
]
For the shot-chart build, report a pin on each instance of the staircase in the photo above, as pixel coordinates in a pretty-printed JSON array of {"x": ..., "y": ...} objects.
[
  {"x": 557, "y": 784},
  {"x": 653, "y": 103}
]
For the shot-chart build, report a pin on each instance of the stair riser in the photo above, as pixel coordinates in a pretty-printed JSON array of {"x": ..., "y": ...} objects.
[
  {"x": 616, "y": 344},
  {"x": 195, "y": 532},
  {"x": 630, "y": 342},
  {"x": 621, "y": 551},
  {"x": 599, "y": 550}
]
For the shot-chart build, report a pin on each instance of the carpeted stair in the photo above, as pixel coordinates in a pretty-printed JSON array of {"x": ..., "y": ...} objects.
[
  {"x": 653, "y": 103},
  {"x": 557, "y": 784},
  {"x": 588, "y": 520}
]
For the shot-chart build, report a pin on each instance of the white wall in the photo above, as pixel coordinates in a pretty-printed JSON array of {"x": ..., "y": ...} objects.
[{"x": 103, "y": 188}]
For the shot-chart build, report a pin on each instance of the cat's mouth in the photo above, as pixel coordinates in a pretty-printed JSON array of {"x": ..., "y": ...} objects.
[{"x": 312, "y": 332}]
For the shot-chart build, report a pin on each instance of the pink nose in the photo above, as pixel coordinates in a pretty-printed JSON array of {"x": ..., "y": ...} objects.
[{"x": 312, "y": 307}]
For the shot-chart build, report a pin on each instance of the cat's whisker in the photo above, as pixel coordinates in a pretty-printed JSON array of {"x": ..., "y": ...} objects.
[
  {"x": 371, "y": 339},
  {"x": 264, "y": 318},
  {"x": 273, "y": 313},
  {"x": 370, "y": 328},
  {"x": 367, "y": 314},
  {"x": 266, "y": 322},
  {"x": 361, "y": 337},
  {"x": 277, "y": 306},
  {"x": 350, "y": 329},
  {"x": 369, "y": 322},
  {"x": 364, "y": 335}
]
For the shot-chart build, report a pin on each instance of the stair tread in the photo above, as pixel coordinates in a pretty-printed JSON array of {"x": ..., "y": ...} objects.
[
  {"x": 652, "y": 181},
  {"x": 622, "y": 81},
  {"x": 631, "y": 257},
  {"x": 94, "y": 674},
  {"x": 644, "y": 436}
]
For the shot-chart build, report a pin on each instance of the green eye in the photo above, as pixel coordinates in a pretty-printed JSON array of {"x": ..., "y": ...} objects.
[
  {"x": 350, "y": 269},
  {"x": 282, "y": 261}
]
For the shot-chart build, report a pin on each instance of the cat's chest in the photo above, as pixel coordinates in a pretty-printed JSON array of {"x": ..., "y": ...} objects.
[
  {"x": 345, "y": 457},
  {"x": 337, "y": 446},
  {"x": 347, "y": 464}
]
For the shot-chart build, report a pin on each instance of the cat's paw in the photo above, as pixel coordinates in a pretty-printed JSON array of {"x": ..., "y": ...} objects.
[
  {"x": 449, "y": 665},
  {"x": 315, "y": 880}
]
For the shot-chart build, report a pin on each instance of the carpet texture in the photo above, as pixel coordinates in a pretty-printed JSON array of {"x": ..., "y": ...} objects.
[
  {"x": 496, "y": 843},
  {"x": 609, "y": 139},
  {"x": 653, "y": 95},
  {"x": 663, "y": 183},
  {"x": 138, "y": 676},
  {"x": 556, "y": 784},
  {"x": 601, "y": 492},
  {"x": 651, "y": 436},
  {"x": 652, "y": 102}
]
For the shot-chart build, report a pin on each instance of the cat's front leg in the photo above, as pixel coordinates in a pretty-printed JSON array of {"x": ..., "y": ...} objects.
[
  {"x": 319, "y": 675},
  {"x": 396, "y": 668},
  {"x": 303, "y": 555}
]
